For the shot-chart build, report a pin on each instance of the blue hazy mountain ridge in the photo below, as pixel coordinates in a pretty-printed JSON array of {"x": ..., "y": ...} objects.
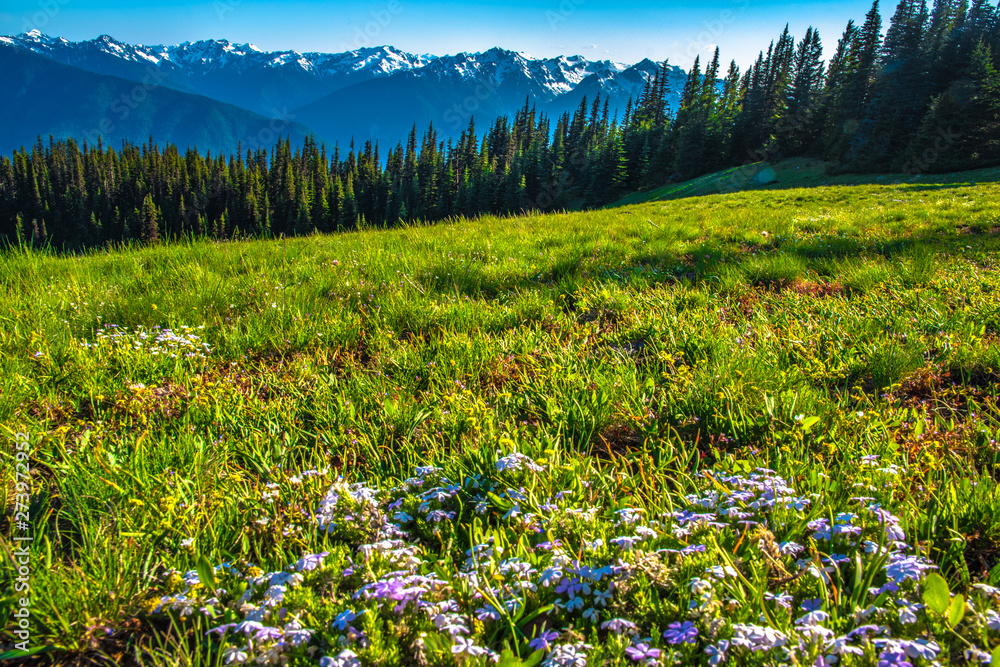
[
  {"x": 44, "y": 97},
  {"x": 449, "y": 93},
  {"x": 376, "y": 93}
]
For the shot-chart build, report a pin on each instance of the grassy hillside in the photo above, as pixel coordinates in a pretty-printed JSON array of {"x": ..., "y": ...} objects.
[
  {"x": 753, "y": 425},
  {"x": 796, "y": 173}
]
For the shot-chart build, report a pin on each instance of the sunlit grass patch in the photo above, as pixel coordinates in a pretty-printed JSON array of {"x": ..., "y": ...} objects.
[{"x": 184, "y": 400}]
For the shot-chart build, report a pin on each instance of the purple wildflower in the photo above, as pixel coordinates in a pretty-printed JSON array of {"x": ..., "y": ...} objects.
[
  {"x": 310, "y": 562},
  {"x": 893, "y": 659},
  {"x": 619, "y": 626},
  {"x": 642, "y": 652},
  {"x": 677, "y": 633},
  {"x": 543, "y": 642}
]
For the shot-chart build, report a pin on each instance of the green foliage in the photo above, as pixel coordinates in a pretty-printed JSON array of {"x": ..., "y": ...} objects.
[
  {"x": 936, "y": 594},
  {"x": 633, "y": 348},
  {"x": 924, "y": 99}
]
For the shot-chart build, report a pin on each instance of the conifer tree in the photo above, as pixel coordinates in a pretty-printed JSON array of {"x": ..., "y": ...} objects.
[{"x": 150, "y": 221}]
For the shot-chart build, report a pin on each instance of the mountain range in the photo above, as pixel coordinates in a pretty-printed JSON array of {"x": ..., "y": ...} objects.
[{"x": 217, "y": 95}]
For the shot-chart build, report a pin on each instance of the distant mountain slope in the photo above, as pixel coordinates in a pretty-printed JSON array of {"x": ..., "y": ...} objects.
[
  {"x": 43, "y": 97},
  {"x": 368, "y": 93},
  {"x": 240, "y": 74},
  {"x": 449, "y": 91}
]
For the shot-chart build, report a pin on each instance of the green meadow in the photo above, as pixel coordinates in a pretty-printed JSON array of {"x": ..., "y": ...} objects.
[{"x": 666, "y": 388}]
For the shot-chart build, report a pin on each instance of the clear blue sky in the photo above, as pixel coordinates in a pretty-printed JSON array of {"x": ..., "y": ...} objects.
[{"x": 623, "y": 30}]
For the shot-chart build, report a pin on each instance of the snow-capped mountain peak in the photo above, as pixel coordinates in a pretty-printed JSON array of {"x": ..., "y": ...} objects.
[
  {"x": 272, "y": 82},
  {"x": 549, "y": 77}
]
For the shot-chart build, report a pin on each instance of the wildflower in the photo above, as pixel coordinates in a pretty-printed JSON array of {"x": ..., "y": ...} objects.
[
  {"x": 783, "y": 600},
  {"x": 543, "y": 642},
  {"x": 790, "y": 548},
  {"x": 717, "y": 652},
  {"x": 757, "y": 638},
  {"x": 488, "y": 613},
  {"x": 515, "y": 461},
  {"x": 700, "y": 586},
  {"x": 513, "y": 512},
  {"x": 591, "y": 615},
  {"x": 811, "y": 604},
  {"x": 346, "y": 658},
  {"x": 681, "y": 633},
  {"x": 893, "y": 659},
  {"x": 922, "y": 648},
  {"x": 620, "y": 626},
  {"x": 864, "y": 631},
  {"x": 722, "y": 571},
  {"x": 642, "y": 652},
  {"x": 235, "y": 655},
  {"x": 310, "y": 562},
  {"x": 907, "y": 611},
  {"x": 813, "y": 618},
  {"x": 549, "y": 576},
  {"x": 625, "y": 542},
  {"x": 902, "y": 568},
  {"x": 453, "y": 626},
  {"x": 464, "y": 645},
  {"x": 645, "y": 532},
  {"x": 567, "y": 655},
  {"x": 989, "y": 590},
  {"x": 975, "y": 655},
  {"x": 840, "y": 646},
  {"x": 821, "y": 529},
  {"x": 628, "y": 515},
  {"x": 267, "y": 634},
  {"x": 439, "y": 515}
]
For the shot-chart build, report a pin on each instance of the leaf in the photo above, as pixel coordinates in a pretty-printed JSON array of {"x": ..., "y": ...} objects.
[
  {"x": 809, "y": 422},
  {"x": 11, "y": 655},
  {"x": 206, "y": 573},
  {"x": 533, "y": 659},
  {"x": 936, "y": 594},
  {"x": 499, "y": 502},
  {"x": 858, "y": 572},
  {"x": 956, "y": 611},
  {"x": 508, "y": 659},
  {"x": 996, "y": 656},
  {"x": 535, "y": 614}
]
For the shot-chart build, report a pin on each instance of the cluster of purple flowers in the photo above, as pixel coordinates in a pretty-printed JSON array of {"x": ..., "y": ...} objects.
[{"x": 581, "y": 565}]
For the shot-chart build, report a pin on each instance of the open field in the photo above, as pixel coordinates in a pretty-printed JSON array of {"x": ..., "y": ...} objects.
[{"x": 756, "y": 427}]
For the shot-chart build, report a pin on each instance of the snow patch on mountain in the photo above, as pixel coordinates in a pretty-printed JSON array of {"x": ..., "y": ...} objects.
[{"x": 544, "y": 79}]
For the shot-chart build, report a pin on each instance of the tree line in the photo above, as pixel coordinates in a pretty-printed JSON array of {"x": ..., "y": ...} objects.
[{"x": 925, "y": 96}]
